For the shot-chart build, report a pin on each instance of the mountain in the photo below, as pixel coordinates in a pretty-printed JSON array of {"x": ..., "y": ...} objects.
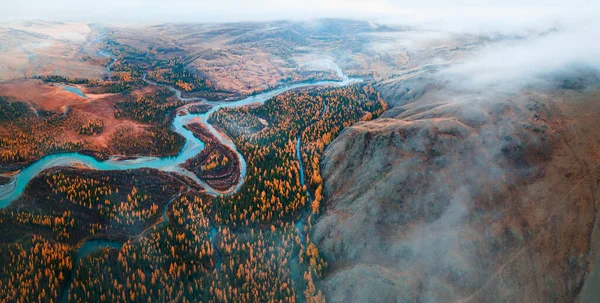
[{"x": 451, "y": 196}]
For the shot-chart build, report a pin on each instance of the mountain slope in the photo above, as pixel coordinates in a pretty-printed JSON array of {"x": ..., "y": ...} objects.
[{"x": 450, "y": 197}]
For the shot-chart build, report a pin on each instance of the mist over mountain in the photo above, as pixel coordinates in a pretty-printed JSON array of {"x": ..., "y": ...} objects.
[{"x": 312, "y": 151}]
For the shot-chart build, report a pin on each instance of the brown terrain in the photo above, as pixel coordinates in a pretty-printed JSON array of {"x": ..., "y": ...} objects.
[
  {"x": 248, "y": 57},
  {"x": 75, "y": 110},
  {"x": 229, "y": 54},
  {"x": 41, "y": 95},
  {"x": 489, "y": 199},
  {"x": 449, "y": 196},
  {"x": 222, "y": 177},
  {"x": 103, "y": 109},
  {"x": 240, "y": 58},
  {"x": 35, "y": 47}
]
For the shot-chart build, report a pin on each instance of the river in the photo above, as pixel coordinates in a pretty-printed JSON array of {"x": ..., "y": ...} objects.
[
  {"x": 9, "y": 192},
  {"x": 12, "y": 190}
]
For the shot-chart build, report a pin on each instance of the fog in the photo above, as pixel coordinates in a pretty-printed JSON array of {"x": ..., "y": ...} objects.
[
  {"x": 523, "y": 43},
  {"x": 517, "y": 63},
  {"x": 460, "y": 14}
]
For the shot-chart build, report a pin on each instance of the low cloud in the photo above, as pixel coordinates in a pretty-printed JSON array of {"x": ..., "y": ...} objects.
[{"x": 532, "y": 60}]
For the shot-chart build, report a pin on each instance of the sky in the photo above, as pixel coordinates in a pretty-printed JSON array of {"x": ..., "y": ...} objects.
[{"x": 397, "y": 11}]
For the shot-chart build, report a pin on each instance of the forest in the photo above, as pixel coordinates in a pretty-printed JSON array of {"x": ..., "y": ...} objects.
[
  {"x": 187, "y": 260},
  {"x": 272, "y": 192},
  {"x": 158, "y": 108},
  {"x": 179, "y": 244},
  {"x": 27, "y": 136},
  {"x": 175, "y": 73},
  {"x": 70, "y": 204},
  {"x": 13, "y": 110}
]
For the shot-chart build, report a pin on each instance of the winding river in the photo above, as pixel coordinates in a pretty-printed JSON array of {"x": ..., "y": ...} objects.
[{"x": 11, "y": 191}]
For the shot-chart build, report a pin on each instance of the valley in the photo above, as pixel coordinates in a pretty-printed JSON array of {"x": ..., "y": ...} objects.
[{"x": 290, "y": 161}]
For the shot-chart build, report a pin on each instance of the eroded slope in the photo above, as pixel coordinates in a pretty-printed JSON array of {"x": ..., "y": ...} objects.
[{"x": 445, "y": 198}]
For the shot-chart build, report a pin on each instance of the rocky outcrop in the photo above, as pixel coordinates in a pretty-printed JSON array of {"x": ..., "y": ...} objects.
[{"x": 447, "y": 199}]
